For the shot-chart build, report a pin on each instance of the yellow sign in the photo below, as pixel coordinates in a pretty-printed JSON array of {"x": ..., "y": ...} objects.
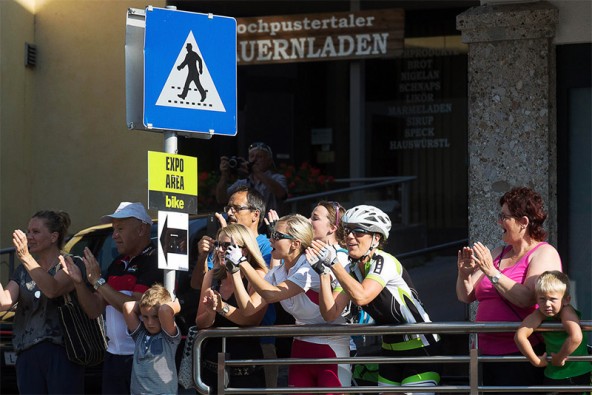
[{"x": 172, "y": 182}]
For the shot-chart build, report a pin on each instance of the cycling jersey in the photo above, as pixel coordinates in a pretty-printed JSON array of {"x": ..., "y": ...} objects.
[{"x": 397, "y": 302}]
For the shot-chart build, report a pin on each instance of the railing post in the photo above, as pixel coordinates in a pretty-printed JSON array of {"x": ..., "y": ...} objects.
[
  {"x": 222, "y": 372},
  {"x": 474, "y": 363},
  {"x": 474, "y": 371}
]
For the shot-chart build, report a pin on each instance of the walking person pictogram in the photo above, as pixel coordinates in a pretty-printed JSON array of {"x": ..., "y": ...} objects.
[{"x": 191, "y": 61}]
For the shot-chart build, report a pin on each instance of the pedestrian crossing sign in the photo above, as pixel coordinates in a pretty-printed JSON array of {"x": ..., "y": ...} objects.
[{"x": 190, "y": 72}]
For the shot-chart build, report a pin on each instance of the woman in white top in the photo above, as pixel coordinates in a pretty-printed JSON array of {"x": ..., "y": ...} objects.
[{"x": 296, "y": 286}]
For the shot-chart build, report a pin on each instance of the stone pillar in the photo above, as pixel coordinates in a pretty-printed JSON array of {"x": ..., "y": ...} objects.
[{"x": 512, "y": 127}]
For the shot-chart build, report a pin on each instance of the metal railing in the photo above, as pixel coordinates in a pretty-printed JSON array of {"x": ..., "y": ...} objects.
[
  {"x": 400, "y": 186},
  {"x": 473, "y": 359}
]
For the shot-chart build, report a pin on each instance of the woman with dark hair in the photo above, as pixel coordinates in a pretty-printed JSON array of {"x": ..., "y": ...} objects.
[
  {"x": 504, "y": 286},
  {"x": 37, "y": 286},
  {"x": 218, "y": 308}
]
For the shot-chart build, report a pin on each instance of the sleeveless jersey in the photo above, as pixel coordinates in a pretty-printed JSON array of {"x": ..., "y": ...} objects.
[{"x": 398, "y": 302}]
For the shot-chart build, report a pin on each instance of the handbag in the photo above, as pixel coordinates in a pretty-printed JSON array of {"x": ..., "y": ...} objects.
[
  {"x": 84, "y": 338},
  {"x": 185, "y": 373}
]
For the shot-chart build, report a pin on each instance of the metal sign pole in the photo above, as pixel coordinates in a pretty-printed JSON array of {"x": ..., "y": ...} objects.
[{"x": 170, "y": 147}]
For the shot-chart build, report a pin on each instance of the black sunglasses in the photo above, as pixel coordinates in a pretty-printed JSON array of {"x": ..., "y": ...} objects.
[
  {"x": 224, "y": 245},
  {"x": 275, "y": 235},
  {"x": 358, "y": 232}
]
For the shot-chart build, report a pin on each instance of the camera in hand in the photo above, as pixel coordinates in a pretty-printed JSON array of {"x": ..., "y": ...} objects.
[{"x": 235, "y": 164}]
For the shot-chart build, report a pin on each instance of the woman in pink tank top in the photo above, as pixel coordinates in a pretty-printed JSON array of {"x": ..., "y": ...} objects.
[{"x": 504, "y": 285}]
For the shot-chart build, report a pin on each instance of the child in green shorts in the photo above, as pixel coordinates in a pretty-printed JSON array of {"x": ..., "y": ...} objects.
[{"x": 552, "y": 296}]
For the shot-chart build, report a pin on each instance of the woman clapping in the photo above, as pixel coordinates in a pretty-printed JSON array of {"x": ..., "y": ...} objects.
[{"x": 37, "y": 285}]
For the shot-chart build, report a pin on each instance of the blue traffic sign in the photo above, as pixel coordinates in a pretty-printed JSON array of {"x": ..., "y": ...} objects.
[{"x": 190, "y": 72}]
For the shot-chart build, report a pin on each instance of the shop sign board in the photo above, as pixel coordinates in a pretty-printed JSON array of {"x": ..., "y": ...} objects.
[{"x": 317, "y": 37}]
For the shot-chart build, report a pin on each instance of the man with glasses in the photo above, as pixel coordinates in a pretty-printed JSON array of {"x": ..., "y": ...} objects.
[
  {"x": 246, "y": 207},
  {"x": 256, "y": 173}
]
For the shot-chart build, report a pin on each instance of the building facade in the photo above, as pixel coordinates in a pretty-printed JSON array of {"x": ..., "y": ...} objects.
[{"x": 482, "y": 96}]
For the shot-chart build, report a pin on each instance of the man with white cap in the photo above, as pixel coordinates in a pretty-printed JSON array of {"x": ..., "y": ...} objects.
[{"x": 128, "y": 276}]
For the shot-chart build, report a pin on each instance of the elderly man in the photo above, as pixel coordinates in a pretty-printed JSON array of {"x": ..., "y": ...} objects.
[
  {"x": 128, "y": 276},
  {"x": 255, "y": 173}
]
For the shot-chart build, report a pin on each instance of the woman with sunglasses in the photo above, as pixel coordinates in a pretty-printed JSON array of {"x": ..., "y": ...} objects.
[
  {"x": 380, "y": 285},
  {"x": 295, "y": 285},
  {"x": 218, "y": 308},
  {"x": 504, "y": 286}
]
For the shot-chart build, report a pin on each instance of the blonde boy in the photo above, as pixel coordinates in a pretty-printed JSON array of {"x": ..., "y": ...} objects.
[
  {"x": 151, "y": 323},
  {"x": 552, "y": 293}
]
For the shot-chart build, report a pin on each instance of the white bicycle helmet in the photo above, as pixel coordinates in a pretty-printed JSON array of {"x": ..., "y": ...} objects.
[{"x": 368, "y": 218}]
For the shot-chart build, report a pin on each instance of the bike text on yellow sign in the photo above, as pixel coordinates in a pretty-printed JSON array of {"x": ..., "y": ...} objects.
[{"x": 172, "y": 182}]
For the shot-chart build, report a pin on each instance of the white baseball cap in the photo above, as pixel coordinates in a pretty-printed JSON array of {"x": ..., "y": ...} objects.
[{"x": 128, "y": 210}]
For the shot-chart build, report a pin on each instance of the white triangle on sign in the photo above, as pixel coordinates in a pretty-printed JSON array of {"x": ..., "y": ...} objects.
[{"x": 173, "y": 90}]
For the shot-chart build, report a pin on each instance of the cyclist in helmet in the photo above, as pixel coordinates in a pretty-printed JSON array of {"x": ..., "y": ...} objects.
[{"x": 380, "y": 285}]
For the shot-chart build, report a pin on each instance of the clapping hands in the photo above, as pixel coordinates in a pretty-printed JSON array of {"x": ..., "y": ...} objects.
[
  {"x": 472, "y": 259},
  {"x": 467, "y": 261},
  {"x": 71, "y": 269},
  {"x": 211, "y": 299},
  {"x": 19, "y": 240},
  {"x": 321, "y": 256}
]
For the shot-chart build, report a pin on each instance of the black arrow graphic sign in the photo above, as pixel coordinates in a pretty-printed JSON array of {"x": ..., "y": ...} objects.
[{"x": 173, "y": 241}]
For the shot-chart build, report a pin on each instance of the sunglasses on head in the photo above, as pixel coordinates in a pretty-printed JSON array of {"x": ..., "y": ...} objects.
[
  {"x": 357, "y": 232},
  {"x": 337, "y": 208},
  {"x": 275, "y": 235},
  {"x": 260, "y": 146}
]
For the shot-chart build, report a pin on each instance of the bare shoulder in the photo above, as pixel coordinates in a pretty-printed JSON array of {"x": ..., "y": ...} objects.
[{"x": 546, "y": 257}]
